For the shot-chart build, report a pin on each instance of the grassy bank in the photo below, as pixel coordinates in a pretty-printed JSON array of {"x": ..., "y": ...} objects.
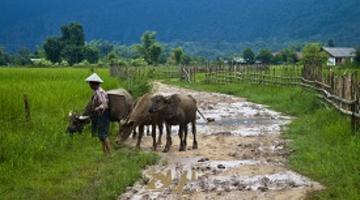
[
  {"x": 325, "y": 147},
  {"x": 38, "y": 160}
]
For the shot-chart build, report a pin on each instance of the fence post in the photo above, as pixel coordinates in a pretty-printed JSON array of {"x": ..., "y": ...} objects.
[
  {"x": 355, "y": 106},
  {"x": 332, "y": 82},
  {"x": 195, "y": 71},
  {"x": 27, "y": 108},
  {"x": 343, "y": 88}
]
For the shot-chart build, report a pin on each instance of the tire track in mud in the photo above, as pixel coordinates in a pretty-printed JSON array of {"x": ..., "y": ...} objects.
[{"x": 241, "y": 156}]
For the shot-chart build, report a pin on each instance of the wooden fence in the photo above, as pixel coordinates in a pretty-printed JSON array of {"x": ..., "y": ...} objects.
[
  {"x": 253, "y": 75},
  {"x": 340, "y": 91},
  {"x": 185, "y": 73}
]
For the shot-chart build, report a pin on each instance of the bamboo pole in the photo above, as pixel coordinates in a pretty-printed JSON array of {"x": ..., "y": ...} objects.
[{"x": 27, "y": 108}]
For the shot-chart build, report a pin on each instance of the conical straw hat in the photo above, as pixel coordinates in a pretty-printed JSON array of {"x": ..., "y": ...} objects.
[{"x": 94, "y": 78}]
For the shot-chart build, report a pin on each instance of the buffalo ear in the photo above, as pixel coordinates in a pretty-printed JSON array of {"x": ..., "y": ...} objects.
[
  {"x": 170, "y": 99},
  {"x": 174, "y": 100}
]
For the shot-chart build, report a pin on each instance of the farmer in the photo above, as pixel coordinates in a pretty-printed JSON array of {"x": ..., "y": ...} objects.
[{"x": 100, "y": 115}]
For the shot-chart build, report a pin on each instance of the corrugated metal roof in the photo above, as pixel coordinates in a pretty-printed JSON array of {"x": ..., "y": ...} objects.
[{"x": 340, "y": 51}]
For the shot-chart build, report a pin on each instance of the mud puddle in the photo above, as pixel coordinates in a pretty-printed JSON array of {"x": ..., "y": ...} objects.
[{"x": 241, "y": 156}]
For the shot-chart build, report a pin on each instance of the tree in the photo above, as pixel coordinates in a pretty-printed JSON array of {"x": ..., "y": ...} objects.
[
  {"x": 4, "y": 57},
  {"x": 73, "y": 34},
  {"x": 148, "y": 38},
  {"x": 39, "y": 52},
  {"x": 198, "y": 60},
  {"x": 289, "y": 56},
  {"x": 154, "y": 53},
  {"x": 357, "y": 56},
  {"x": 104, "y": 47},
  {"x": 72, "y": 54},
  {"x": 22, "y": 57},
  {"x": 187, "y": 60},
  {"x": 149, "y": 49},
  {"x": 331, "y": 43},
  {"x": 178, "y": 55},
  {"x": 265, "y": 56},
  {"x": 124, "y": 51},
  {"x": 112, "y": 57},
  {"x": 53, "y": 47},
  {"x": 90, "y": 54},
  {"x": 70, "y": 46},
  {"x": 313, "y": 56},
  {"x": 277, "y": 59},
  {"x": 249, "y": 56}
]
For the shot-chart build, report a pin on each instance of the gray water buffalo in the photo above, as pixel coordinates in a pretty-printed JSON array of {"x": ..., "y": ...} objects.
[
  {"x": 140, "y": 117},
  {"x": 120, "y": 105},
  {"x": 179, "y": 110}
]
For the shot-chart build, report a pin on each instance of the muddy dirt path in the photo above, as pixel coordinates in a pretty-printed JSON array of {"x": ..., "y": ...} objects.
[{"x": 241, "y": 156}]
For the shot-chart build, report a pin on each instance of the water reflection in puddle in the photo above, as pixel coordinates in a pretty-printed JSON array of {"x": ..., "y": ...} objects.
[
  {"x": 243, "y": 122},
  {"x": 159, "y": 180}
]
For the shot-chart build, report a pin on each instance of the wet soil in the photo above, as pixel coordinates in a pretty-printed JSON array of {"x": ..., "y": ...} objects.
[{"x": 241, "y": 155}]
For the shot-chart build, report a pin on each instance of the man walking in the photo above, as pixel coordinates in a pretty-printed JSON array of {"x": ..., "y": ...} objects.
[{"x": 99, "y": 112}]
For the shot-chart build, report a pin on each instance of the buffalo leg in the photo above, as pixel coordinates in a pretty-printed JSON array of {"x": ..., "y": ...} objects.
[
  {"x": 181, "y": 135},
  {"x": 195, "y": 144},
  {"x": 168, "y": 138},
  {"x": 134, "y": 133},
  {"x": 160, "y": 125},
  {"x": 153, "y": 134},
  {"x": 185, "y": 129},
  {"x": 147, "y": 130},
  {"x": 141, "y": 133}
]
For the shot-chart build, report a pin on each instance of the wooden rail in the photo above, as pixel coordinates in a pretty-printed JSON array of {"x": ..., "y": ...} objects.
[{"x": 342, "y": 92}]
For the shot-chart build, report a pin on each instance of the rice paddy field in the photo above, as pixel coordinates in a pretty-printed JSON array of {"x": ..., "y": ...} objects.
[{"x": 38, "y": 159}]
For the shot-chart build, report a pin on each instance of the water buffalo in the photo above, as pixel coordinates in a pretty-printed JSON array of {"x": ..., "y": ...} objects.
[
  {"x": 120, "y": 105},
  {"x": 179, "y": 110},
  {"x": 140, "y": 116}
]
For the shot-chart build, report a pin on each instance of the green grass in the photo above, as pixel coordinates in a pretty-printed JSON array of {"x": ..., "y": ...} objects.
[
  {"x": 325, "y": 147},
  {"x": 38, "y": 160}
]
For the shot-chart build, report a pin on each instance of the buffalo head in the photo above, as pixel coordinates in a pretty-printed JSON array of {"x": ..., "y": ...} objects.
[
  {"x": 126, "y": 127},
  {"x": 158, "y": 103},
  {"x": 166, "y": 105},
  {"x": 77, "y": 123}
]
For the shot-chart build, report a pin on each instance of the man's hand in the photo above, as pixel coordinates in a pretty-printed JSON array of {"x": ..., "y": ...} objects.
[{"x": 100, "y": 109}]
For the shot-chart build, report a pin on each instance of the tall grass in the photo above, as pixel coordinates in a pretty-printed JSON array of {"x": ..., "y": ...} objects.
[
  {"x": 325, "y": 147},
  {"x": 38, "y": 160}
]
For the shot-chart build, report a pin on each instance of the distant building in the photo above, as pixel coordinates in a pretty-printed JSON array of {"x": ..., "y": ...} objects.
[
  {"x": 338, "y": 56},
  {"x": 35, "y": 60},
  {"x": 239, "y": 60}
]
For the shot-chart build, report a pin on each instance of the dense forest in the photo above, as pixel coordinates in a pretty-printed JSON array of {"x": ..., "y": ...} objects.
[
  {"x": 70, "y": 48},
  {"x": 199, "y": 26}
]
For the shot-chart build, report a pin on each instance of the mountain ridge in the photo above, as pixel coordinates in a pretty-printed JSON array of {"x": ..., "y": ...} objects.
[{"x": 239, "y": 21}]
